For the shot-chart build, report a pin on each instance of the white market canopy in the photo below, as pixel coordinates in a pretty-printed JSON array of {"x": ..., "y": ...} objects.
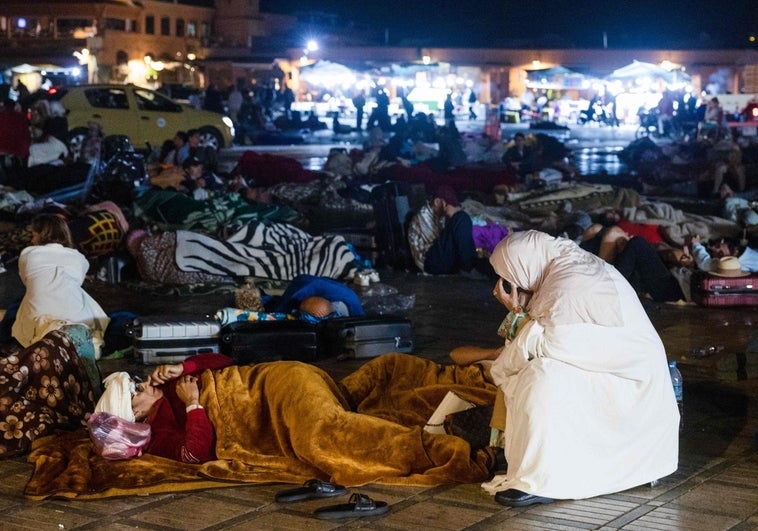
[
  {"x": 327, "y": 74},
  {"x": 557, "y": 77},
  {"x": 640, "y": 73}
]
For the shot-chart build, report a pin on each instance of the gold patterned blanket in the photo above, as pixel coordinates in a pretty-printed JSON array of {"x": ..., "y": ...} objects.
[{"x": 289, "y": 422}]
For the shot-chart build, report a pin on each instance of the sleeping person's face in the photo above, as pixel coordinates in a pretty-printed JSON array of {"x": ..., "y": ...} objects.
[{"x": 144, "y": 398}]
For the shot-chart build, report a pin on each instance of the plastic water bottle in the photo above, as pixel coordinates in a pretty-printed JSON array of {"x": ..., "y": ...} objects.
[{"x": 676, "y": 381}]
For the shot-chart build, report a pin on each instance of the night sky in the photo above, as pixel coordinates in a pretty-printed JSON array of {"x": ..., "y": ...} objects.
[{"x": 540, "y": 23}]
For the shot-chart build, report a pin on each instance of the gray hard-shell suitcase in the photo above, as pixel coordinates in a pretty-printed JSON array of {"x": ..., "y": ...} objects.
[
  {"x": 367, "y": 337},
  {"x": 172, "y": 339}
]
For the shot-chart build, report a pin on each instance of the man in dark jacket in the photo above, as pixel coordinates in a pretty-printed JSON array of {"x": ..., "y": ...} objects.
[{"x": 453, "y": 251}]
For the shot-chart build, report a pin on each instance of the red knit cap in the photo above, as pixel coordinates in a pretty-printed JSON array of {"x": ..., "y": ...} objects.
[{"x": 447, "y": 194}]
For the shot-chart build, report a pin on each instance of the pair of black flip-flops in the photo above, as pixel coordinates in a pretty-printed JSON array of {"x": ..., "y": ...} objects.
[{"x": 358, "y": 505}]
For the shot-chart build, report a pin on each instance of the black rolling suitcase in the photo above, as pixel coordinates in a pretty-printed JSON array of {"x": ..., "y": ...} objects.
[
  {"x": 367, "y": 337},
  {"x": 258, "y": 341},
  {"x": 394, "y": 204}
]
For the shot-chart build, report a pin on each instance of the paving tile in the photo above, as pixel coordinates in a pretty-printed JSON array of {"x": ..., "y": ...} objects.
[
  {"x": 42, "y": 517},
  {"x": 276, "y": 521},
  {"x": 470, "y": 495},
  {"x": 253, "y": 495},
  {"x": 676, "y": 519},
  {"x": 433, "y": 515},
  {"x": 602, "y": 508},
  {"x": 721, "y": 498},
  {"x": 745, "y": 474},
  {"x": 183, "y": 513},
  {"x": 530, "y": 520}
]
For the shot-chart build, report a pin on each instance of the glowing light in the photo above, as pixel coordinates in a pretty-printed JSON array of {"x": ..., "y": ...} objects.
[
  {"x": 83, "y": 56},
  {"x": 76, "y": 71},
  {"x": 191, "y": 56},
  {"x": 311, "y": 46},
  {"x": 426, "y": 59},
  {"x": 536, "y": 62},
  {"x": 21, "y": 23}
]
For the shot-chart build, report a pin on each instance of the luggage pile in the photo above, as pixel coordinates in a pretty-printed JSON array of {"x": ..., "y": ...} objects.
[{"x": 159, "y": 340}]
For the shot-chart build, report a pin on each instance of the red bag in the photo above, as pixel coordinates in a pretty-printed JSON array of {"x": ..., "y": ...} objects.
[{"x": 712, "y": 290}]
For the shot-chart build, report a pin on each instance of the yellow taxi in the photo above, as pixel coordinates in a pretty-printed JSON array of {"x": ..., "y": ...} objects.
[{"x": 147, "y": 117}]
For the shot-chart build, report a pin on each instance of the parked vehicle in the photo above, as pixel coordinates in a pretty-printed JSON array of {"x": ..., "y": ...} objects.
[{"x": 145, "y": 116}]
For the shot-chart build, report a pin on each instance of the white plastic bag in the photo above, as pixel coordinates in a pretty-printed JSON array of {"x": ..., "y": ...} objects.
[{"x": 115, "y": 438}]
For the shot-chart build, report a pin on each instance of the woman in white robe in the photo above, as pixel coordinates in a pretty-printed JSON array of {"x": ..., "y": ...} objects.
[
  {"x": 53, "y": 272},
  {"x": 590, "y": 408}
]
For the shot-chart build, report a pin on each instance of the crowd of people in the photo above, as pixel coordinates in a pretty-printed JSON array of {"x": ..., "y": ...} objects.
[{"x": 581, "y": 372}]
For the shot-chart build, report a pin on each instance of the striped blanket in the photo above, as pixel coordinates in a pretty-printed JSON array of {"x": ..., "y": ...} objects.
[{"x": 266, "y": 250}]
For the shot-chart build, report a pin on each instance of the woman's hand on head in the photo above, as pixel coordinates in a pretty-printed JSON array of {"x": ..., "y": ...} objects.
[
  {"x": 166, "y": 373},
  {"x": 509, "y": 300},
  {"x": 187, "y": 390}
]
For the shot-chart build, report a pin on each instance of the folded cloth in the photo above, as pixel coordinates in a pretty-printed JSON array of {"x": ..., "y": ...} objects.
[{"x": 117, "y": 397}]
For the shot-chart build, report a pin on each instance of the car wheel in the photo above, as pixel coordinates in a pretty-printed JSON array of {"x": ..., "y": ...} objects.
[
  {"x": 210, "y": 137},
  {"x": 76, "y": 138}
]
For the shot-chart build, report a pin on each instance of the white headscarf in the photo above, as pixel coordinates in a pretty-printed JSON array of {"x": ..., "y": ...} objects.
[
  {"x": 117, "y": 397},
  {"x": 569, "y": 284}
]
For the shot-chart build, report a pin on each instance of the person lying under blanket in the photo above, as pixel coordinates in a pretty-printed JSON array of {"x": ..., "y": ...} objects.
[{"x": 297, "y": 419}]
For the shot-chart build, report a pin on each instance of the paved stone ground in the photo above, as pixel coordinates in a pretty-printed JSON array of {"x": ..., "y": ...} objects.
[{"x": 716, "y": 486}]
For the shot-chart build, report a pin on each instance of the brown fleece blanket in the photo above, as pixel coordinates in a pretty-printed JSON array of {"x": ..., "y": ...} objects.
[{"x": 289, "y": 422}]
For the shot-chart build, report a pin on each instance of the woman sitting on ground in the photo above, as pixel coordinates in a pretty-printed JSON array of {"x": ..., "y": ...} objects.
[
  {"x": 53, "y": 271},
  {"x": 589, "y": 405}
]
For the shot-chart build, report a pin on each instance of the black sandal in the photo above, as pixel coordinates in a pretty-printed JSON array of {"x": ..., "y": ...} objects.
[
  {"x": 358, "y": 506},
  {"x": 313, "y": 488}
]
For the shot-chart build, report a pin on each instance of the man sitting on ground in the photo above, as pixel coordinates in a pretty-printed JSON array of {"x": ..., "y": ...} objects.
[{"x": 453, "y": 251}]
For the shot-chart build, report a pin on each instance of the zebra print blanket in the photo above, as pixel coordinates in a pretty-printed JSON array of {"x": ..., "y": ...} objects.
[{"x": 276, "y": 251}]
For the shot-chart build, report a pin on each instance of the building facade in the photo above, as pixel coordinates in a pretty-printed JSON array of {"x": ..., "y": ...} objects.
[{"x": 194, "y": 41}]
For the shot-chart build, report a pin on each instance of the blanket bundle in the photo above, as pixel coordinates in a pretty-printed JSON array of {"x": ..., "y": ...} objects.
[
  {"x": 298, "y": 424},
  {"x": 275, "y": 251}
]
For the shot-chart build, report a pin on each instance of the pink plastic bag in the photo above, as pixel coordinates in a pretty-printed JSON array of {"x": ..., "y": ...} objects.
[{"x": 115, "y": 438}]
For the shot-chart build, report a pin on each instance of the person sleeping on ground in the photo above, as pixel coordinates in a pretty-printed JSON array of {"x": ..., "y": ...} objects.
[{"x": 301, "y": 423}]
